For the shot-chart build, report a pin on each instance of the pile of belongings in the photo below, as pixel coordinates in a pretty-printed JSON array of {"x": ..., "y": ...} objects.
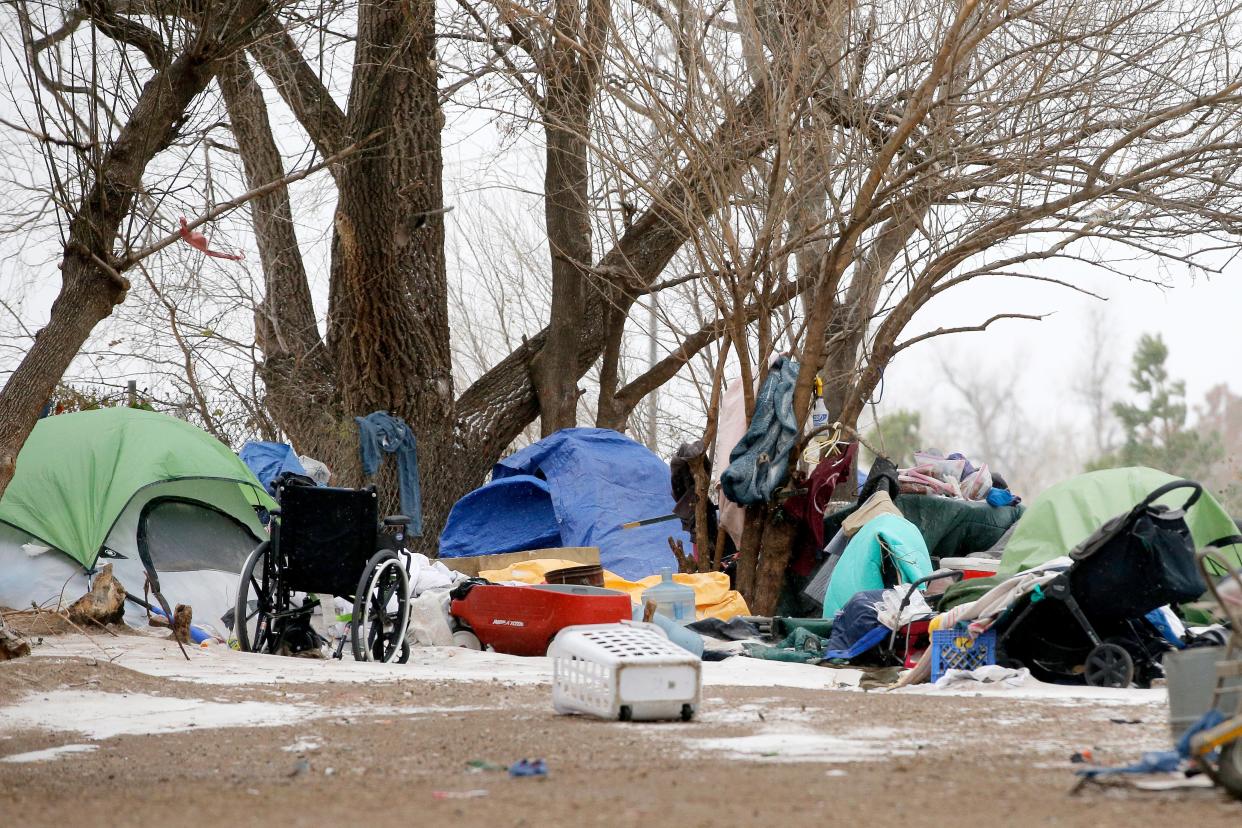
[
  {"x": 1094, "y": 582},
  {"x": 953, "y": 476}
]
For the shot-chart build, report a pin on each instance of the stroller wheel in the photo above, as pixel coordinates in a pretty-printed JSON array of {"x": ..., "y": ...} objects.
[{"x": 1109, "y": 665}]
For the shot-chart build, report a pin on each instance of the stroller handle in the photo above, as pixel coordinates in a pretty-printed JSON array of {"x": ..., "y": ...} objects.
[{"x": 1174, "y": 486}]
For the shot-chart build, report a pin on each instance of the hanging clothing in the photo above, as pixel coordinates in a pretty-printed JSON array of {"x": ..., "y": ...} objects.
[
  {"x": 380, "y": 433},
  {"x": 758, "y": 463}
]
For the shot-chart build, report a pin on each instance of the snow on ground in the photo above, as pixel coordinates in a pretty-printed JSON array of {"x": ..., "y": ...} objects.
[
  {"x": 779, "y": 732},
  {"x": 790, "y": 743},
  {"x": 100, "y": 715},
  {"x": 49, "y": 753},
  {"x": 220, "y": 665}
]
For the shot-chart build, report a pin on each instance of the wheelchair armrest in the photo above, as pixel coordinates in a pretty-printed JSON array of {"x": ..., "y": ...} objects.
[{"x": 396, "y": 520}]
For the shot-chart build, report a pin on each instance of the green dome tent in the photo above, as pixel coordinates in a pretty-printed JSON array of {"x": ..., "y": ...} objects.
[
  {"x": 88, "y": 484},
  {"x": 1067, "y": 513}
]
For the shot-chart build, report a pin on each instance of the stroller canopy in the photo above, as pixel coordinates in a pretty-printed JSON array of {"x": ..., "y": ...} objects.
[{"x": 1067, "y": 513}]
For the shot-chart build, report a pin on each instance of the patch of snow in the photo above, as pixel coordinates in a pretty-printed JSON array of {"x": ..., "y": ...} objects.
[
  {"x": 222, "y": 666},
  {"x": 750, "y": 713},
  {"x": 790, "y": 744},
  {"x": 104, "y": 715},
  {"x": 48, "y": 753},
  {"x": 1070, "y": 695},
  {"x": 302, "y": 746}
]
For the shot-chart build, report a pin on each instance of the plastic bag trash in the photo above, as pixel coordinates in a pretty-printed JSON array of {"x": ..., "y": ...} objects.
[
  {"x": 316, "y": 470},
  {"x": 886, "y": 609},
  {"x": 988, "y": 674}
]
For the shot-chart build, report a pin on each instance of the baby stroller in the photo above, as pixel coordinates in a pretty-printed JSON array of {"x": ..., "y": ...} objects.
[{"x": 1089, "y": 622}]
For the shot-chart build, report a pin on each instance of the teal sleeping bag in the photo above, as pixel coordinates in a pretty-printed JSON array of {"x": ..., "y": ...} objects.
[{"x": 860, "y": 567}]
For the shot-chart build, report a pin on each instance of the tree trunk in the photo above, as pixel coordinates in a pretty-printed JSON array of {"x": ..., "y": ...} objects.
[
  {"x": 296, "y": 369},
  {"x": 776, "y": 552},
  {"x": 388, "y": 328},
  {"x": 555, "y": 371}
]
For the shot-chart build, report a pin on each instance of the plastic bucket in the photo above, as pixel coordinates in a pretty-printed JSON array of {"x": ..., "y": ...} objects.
[
  {"x": 1191, "y": 678},
  {"x": 590, "y": 575}
]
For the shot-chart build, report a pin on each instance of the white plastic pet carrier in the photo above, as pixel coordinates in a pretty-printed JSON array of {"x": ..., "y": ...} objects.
[{"x": 623, "y": 671}]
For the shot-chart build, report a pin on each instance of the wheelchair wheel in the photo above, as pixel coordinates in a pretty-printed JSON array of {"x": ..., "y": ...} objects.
[
  {"x": 252, "y": 615},
  {"x": 381, "y": 609}
]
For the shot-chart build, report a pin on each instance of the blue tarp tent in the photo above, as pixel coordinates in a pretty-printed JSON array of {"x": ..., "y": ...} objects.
[
  {"x": 574, "y": 488},
  {"x": 269, "y": 460}
]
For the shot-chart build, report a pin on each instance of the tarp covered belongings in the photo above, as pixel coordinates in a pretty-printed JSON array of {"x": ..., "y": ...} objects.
[
  {"x": 1067, "y": 513},
  {"x": 595, "y": 479},
  {"x": 950, "y": 527},
  {"x": 712, "y": 596},
  {"x": 270, "y": 460},
  {"x": 861, "y": 565}
]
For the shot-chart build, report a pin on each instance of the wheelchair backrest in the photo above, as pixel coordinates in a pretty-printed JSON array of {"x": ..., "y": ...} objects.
[{"x": 324, "y": 537}]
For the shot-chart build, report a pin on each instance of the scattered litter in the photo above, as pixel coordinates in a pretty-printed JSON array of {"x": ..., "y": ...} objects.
[
  {"x": 474, "y": 793},
  {"x": 300, "y": 767},
  {"x": 482, "y": 765},
  {"x": 1083, "y": 757},
  {"x": 1125, "y": 721},
  {"x": 528, "y": 767}
]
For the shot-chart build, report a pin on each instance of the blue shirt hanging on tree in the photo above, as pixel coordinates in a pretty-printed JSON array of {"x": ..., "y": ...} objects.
[{"x": 380, "y": 433}]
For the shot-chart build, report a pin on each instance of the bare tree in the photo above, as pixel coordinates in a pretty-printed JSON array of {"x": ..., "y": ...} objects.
[{"x": 98, "y": 142}]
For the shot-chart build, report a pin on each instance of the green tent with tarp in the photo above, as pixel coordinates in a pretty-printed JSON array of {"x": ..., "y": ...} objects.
[
  {"x": 89, "y": 485},
  {"x": 1067, "y": 513}
]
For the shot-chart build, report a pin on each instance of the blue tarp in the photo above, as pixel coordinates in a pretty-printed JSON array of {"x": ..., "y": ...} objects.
[
  {"x": 595, "y": 480},
  {"x": 269, "y": 460},
  {"x": 507, "y": 515}
]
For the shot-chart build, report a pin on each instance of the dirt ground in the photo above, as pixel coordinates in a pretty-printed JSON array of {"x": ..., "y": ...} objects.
[{"x": 382, "y": 754}]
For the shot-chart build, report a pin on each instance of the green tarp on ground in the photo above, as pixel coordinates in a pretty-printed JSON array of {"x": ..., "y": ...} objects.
[
  {"x": 1067, "y": 513},
  {"x": 77, "y": 472}
]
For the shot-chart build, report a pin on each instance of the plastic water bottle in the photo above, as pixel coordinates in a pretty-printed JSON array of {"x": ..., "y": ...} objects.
[{"x": 672, "y": 600}]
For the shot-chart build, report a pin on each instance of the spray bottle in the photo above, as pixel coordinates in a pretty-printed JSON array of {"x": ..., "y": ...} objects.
[{"x": 818, "y": 445}]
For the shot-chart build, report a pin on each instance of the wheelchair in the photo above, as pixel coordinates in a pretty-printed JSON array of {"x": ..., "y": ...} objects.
[{"x": 326, "y": 542}]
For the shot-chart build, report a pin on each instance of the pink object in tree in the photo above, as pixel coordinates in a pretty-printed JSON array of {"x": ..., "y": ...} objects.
[{"x": 199, "y": 242}]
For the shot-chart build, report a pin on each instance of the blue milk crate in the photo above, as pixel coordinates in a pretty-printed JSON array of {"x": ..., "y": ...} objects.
[{"x": 955, "y": 650}]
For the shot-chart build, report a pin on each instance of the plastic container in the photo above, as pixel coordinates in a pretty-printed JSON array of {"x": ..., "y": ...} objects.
[
  {"x": 623, "y": 671},
  {"x": 1191, "y": 679},
  {"x": 676, "y": 633},
  {"x": 589, "y": 575},
  {"x": 672, "y": 600},
  {"x": 955, "y": 650}
]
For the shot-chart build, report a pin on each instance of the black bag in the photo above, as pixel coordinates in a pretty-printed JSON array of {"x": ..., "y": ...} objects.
[{"x": 1139, "y": 561}]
